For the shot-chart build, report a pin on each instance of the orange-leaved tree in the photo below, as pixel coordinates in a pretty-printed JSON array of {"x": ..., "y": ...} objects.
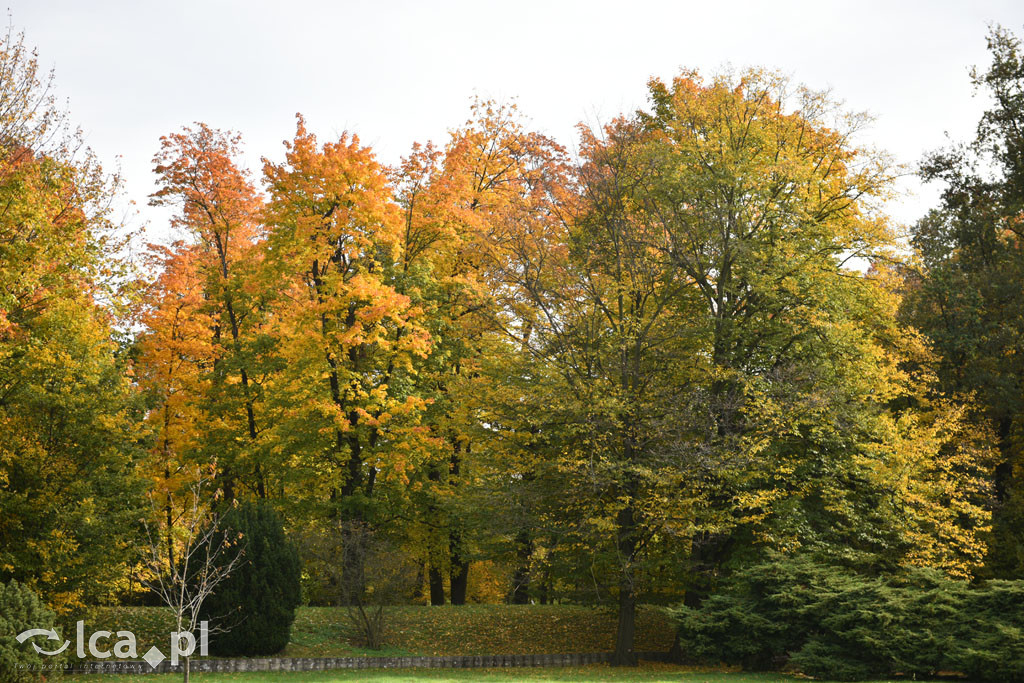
[
  {"x": 219, "y": 209},
  {"x": 348, "y": 413}
]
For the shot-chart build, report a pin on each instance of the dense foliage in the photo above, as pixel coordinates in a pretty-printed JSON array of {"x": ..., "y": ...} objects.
[
  {"x": 830, "y": 622},
  {"x": 21, "y": 610},
  {"x": 965, "y": 293},
  {"x": 70, "y": 433}
]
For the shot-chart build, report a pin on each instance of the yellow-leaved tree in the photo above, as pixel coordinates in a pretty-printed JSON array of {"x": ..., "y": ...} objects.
[{"x": 347, "y": 410}]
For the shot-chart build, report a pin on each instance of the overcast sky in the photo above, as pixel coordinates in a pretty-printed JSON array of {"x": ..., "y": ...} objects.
[{"x": 399, "y": 72}]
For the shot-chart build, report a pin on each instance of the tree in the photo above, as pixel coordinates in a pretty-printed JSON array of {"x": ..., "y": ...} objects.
[
  {"x": 768, "y": 205},
  {"x": 830, "y": 622},
  {"x": 388, "y": 580},
  {"x": 174, "y": 355},
  {"x": 458, "y": 206},
  {"x": 965, "y": 292},
  {"x": 613, "y": 317},
  {"x": 255, "y": 604},
  {"x": 348, "y": 339},
  {"x": 30, "y": 120},
  {"x": 21, "y": 610},
  {"x": 219, "y": 209},
  {"x": 726, "y": 381},
  {"x": 69, "y": 493}
]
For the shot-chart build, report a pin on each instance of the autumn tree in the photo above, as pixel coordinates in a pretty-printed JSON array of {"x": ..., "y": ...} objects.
[
  {"x": 769, "y": 205},
  {"x": 348, "y": 409},
  {"x": 612, "y": 316},
  {"x": 965, "y": 293},
  {"x": 174, "y": 357},
  {"x": 69, "y": 441},
  {"x": 430, "y": 272},
  {"x": 218, "y": 209},
  {"x": 729, "y": 381},
  {"x": 458, "y": 207}
]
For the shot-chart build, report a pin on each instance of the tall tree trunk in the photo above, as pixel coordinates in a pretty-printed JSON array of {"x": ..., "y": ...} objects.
[
  {"x": 434, "y": 577},
  {"x": 250, "y": 413},
  {"x": 459, "y": 576},
  {"x": 460, "y": 569},
  {"x": 436, "y": 580},
  {"x": 626, "y": 629},
  {"x": 353, "y": 579},
  {"x": 520, "y": 593}
]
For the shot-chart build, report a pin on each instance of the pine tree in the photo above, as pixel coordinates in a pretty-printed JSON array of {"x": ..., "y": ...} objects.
[{"x": 251, "y": 612}]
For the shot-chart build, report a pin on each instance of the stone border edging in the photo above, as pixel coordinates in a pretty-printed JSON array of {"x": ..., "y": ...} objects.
[{"x": 260, "y": 664}]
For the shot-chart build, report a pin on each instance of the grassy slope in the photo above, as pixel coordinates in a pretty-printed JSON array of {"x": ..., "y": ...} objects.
[{"x": 416, "y": 630}]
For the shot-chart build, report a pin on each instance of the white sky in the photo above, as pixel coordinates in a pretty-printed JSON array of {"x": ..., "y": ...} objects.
[{"x": 399, "y": 72}]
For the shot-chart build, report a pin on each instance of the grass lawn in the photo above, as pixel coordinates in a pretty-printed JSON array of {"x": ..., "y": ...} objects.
[
  {"x": 650, "y": 672},
  {"x": 423, "y": 630}
]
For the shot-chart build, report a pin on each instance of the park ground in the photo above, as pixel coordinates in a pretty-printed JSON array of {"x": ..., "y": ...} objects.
[{"x": 447, "y": 630}]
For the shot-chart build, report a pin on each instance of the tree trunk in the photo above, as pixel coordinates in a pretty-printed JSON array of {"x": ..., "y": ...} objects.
[
  {"x": 421, "y": 575},
  {"x": 353, "y": 559},
  {"x": 459, "y": 581},
  {"x": 520, "y": 593},
  {"x": 227, "y": 486},
  {"x": 627, "y": 544},
  {"x": 186, "y": 669},
  {"x": 459, "y": 577},
  {"x": 261, "y": 486},
  {"x": 460, "y": 570},
  {"x": 436, "y": 586},
  {"x": 624, "y": 655}
]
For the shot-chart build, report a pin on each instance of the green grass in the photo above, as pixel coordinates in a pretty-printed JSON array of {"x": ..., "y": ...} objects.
[
  {"x": 423, "y": 630},
  {"x": 652, "y": 673}
]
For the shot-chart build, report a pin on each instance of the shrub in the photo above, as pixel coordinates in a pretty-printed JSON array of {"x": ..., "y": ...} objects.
[
  {"x": 992, "y": 628},
  {"x": 831, "y": 622},
  {"x": 20, "y": 610},
  {"x": 251, "y": 612}
]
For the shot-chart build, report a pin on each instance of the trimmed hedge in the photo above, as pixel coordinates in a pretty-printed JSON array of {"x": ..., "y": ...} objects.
[{"x": 830, "y": 622}]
